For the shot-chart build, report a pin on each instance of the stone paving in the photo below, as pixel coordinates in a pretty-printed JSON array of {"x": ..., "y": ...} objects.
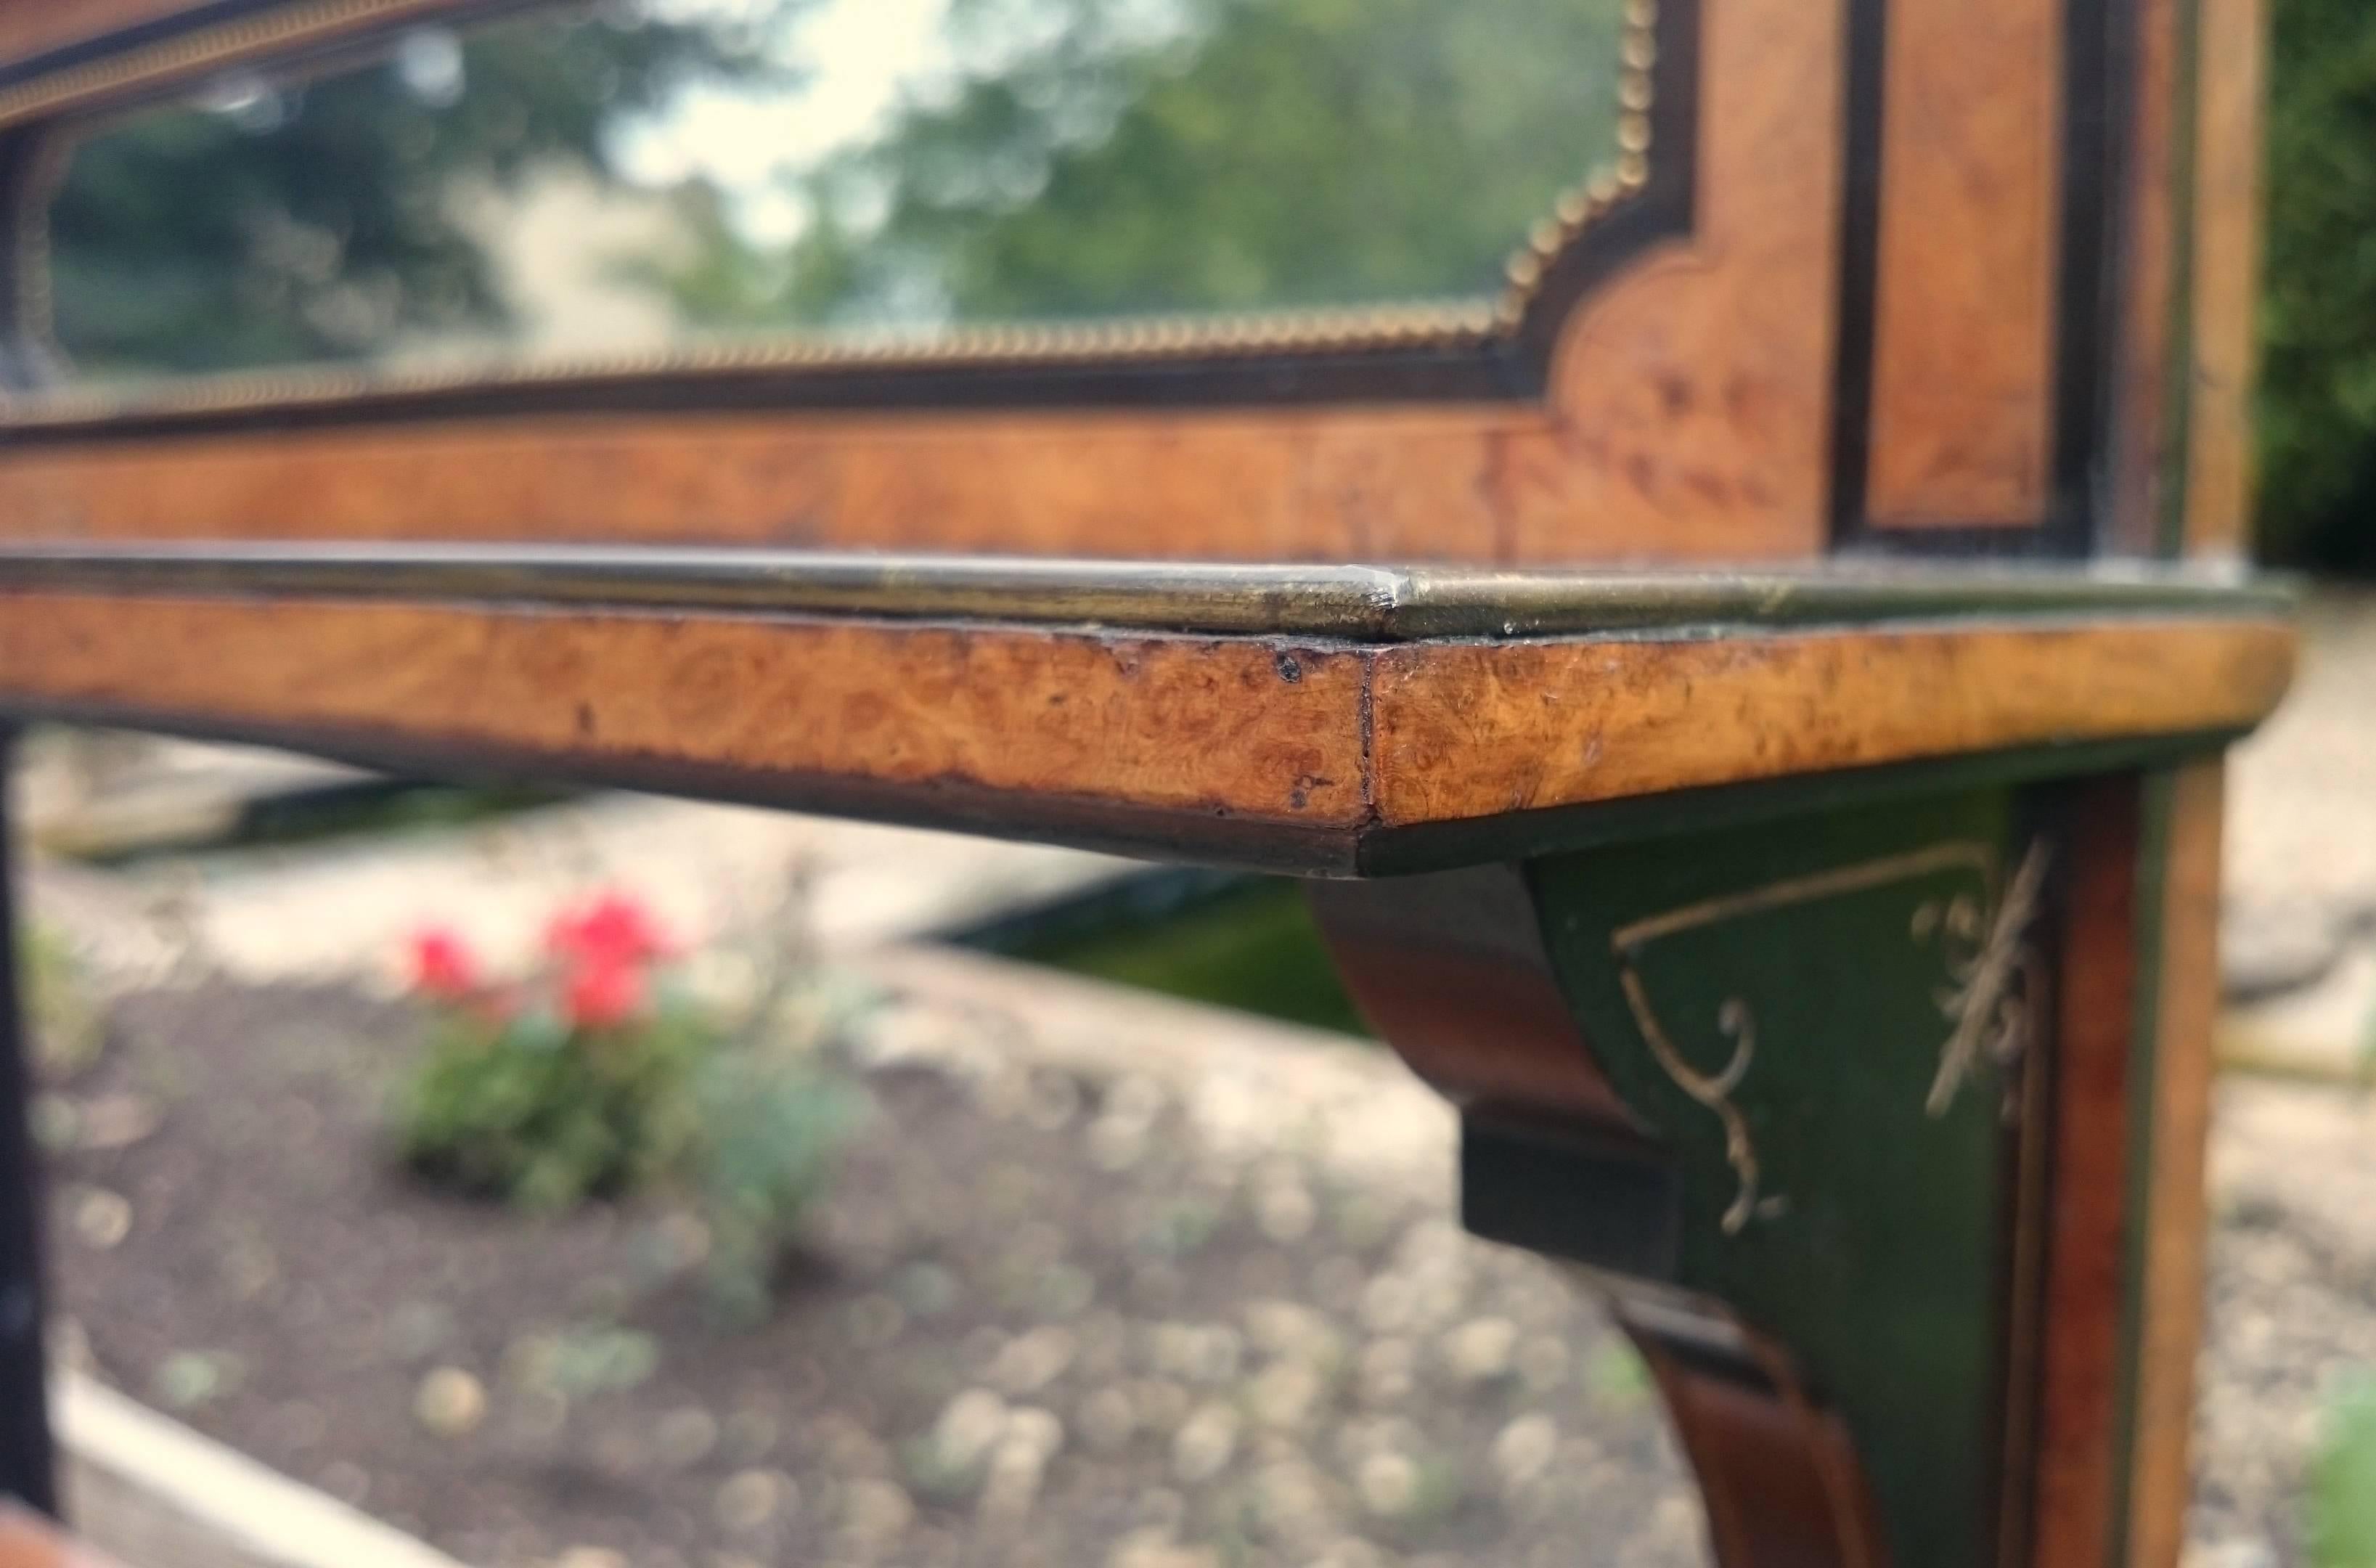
[
  {"x": 2300, "y": 922},
  {"x": 343, "y": 907}
]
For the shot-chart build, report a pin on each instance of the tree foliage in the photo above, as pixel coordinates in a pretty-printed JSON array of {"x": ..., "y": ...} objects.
[
  {"x": 1226, "y": 154},
  {"x": 2318, "y": 377},
  {"x": 314, "y": 220},
  {"x": 1088, "y": 158}
]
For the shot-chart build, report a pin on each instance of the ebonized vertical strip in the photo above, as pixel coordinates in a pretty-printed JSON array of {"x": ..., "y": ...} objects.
[
  {"x": 2099, "y": 112},
  {"x": 26, "y": 1460},
  {"x": 1867, "y": 22}
]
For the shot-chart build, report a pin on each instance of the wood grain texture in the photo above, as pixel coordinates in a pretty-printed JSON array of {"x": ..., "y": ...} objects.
[
  {"x": 28, "y": 1541},
  {"x": 1472, "y": 730},
  {"x": 1450, "y": 968},
  {"x": 1164, "y": 724},
  {"x": 2186, "y": 987},
  {"x": 1963, "y": 344},
  {"x": 1329, "y": 739},
  {"x": 2231, "y": 90},
  {"x": 1778, "y": 1475},
  {"x": 1686, "y": 420},
  {"x": 2079, "y": 1363},
  {"x": 1691, "y": 398}
]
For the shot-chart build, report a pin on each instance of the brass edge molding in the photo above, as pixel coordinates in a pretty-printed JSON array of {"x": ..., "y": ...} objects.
[
  {"x": 1358, "y": 603},
  {"x": 1423, "y": 324},
  {"x": 1577, "y": 208},
  {"x": 1376, "y": 329},
  {"x": 171, "y": 60}
]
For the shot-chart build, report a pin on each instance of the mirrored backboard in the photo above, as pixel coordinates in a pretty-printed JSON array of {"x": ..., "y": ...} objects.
[{"x": 657, "y": 184}]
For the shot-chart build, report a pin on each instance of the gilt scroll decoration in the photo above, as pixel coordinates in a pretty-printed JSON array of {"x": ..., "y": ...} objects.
[{"x": 1988, "y": 1000}]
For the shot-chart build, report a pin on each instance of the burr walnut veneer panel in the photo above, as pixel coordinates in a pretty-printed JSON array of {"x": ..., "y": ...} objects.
[
  {"x": 1686, "y": 418},
  {"x": 1964, "y": 337},
  {"x": 1323, "y": 739}
]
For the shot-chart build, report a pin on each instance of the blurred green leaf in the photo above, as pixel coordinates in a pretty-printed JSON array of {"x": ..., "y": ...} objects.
[
  {"x": 771, "y": 1127},
  {"x": 1616, "y": 1378},
  {"x": 60, "y": 1001},
  {"x": 2342, "y": 1481}
]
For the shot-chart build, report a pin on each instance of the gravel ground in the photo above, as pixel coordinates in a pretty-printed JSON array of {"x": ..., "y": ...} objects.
[
  {"x": 1043, "y": 1319},
  {"x": 2292, "y": 1307},
  {"x": 1050, "y": 1318},
  {"x": 2298, "y": 930}
]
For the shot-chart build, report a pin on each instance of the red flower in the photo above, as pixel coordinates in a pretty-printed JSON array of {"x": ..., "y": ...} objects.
[
  {"x": 610, "y": 930},
  {"x": 602, "y": 995},
  {"x": 443, "y": 964}
]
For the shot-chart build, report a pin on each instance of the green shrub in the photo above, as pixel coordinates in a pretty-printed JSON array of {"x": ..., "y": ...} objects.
[
  {"x": 2317, "y": 500},
  {"x": 529, "y": 1107},
  {"x": 599, "y": 1075},
  {"x": 769, "y": 1129},
  {"x": 2343, "y": 1485},
  {"x": 59, "y": 1004},
  {"x": 576, "y": 1082}
]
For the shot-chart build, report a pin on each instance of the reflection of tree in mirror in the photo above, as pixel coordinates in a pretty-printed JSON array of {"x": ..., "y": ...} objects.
[
  {"x": 1202, "y": 155},
  {"x": 279, "y": 223},
  {"x": 928, "y": 163}
]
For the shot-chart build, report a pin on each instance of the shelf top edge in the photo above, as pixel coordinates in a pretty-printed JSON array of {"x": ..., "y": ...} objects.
[{"x": 1351, "y": 603}]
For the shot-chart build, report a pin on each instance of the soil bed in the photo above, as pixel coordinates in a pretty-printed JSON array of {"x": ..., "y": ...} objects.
[{"x": 1036, "y": 1324}]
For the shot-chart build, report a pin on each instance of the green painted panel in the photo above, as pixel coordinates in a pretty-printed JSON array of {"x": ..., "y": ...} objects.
[
  {"x": 1251, "y": 946},
  {"x": 1809, "y": 1015}
]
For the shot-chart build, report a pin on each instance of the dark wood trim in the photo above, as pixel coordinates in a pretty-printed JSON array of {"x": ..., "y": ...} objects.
[
  {"x": 2100, "y": 56},
  {"x": 2174, "y": 416},
  {"x": 1868, "y": 23},
  {"x": 27, "y": 1461},
  {"x": 1493, "y": 372}
]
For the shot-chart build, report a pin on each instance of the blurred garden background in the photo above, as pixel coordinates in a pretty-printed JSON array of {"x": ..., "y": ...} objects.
[{"x": 590, "y": 1180}]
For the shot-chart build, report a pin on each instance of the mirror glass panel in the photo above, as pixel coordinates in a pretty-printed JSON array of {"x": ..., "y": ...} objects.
[{"x": 661, "y": 177}]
